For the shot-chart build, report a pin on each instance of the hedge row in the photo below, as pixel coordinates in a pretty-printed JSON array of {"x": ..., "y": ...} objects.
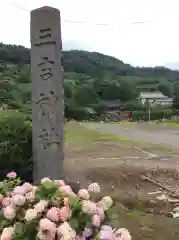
[
  {"x": 15, "y": 144},
  {"x": 154, "y": 114}
]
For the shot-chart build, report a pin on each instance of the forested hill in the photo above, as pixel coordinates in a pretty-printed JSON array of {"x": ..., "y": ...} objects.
[
  {"x": 90, "y": 63},
  {"x": 90, "y": 79}
]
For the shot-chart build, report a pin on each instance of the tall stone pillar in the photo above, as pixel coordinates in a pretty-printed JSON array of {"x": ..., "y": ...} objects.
[{"x": 47, "y": 93}]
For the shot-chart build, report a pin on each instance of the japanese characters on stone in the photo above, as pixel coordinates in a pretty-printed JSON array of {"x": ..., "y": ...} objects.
[
  {"x": 46, "y": 68},
  {"x": 47, "y": 100},
  {"x": 45, "y": 37}
]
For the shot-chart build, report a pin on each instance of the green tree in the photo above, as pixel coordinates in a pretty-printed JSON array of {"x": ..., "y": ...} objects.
[
  {"x": 175, "y": 104},
  {"x": 166, "y": 89}
]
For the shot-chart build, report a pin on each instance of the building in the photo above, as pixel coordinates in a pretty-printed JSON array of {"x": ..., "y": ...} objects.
[
  {"x": 154, "y": 98},
  {"x": 114, "y": 111}
]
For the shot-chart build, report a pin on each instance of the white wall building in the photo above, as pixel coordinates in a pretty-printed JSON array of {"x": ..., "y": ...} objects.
[{"x": 154, "y": 98}]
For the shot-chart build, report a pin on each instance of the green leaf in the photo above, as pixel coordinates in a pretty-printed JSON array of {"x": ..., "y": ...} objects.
[
  {"x": 88, "y": 223},
  {"x": 31, "y": 227},
  {"x": 95, "y": 233},
  {"x": 37, "y": 195},
  {"x": 1, "y": 215},
  {"x": 112, "y": 219},
  {"x": 74, "y": 223},
  {"x": 74, "y": 201},
  {"x": 48, "y": 184},
  {"x": 19, "y": 228},
  {"x": 4, "y": 223},
  {"x": 20, "y": 232}
]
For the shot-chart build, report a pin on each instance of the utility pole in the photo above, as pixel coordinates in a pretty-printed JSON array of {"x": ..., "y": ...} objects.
[{"x": 149, "y": 114}]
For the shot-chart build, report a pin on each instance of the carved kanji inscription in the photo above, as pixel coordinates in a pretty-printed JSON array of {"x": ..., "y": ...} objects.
[
  {"x": 46, "y": 68},
  {"x": 45, "y": 37}
]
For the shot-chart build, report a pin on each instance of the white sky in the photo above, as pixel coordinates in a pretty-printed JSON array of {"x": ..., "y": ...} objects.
[{"x": 149, "y": 44}]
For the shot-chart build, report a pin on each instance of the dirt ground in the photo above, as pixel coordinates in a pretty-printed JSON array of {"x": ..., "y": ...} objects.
[
  {"x": 152, "y": 133},
  {"x": 122, "y": 165},
  {"x": 118, "y": 165},
  {"x": 142, "y": 152}
]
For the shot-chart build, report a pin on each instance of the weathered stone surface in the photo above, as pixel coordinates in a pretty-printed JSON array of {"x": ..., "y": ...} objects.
[{"x": 47, "y": 93}]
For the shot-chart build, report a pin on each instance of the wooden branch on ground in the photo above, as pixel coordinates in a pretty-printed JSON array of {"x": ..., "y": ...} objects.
[{"x": 172, "y": 193}]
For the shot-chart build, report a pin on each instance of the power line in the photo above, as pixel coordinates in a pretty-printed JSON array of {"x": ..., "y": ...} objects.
[
  {"x": 82, "y": 22},
  {"x": 20, "y": 7}
]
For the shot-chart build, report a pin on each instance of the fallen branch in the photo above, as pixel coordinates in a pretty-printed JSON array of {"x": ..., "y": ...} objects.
[{"x": 171, "y": 192}]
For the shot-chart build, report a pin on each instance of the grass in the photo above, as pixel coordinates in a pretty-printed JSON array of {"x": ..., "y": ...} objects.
[
  {"x": 125, "y": 123},
  {"x": 146, "y": 226},
  {"x": 146, "y": 220},
  {"x": 77, "y": 134},
  {"x": 169, "y": 124}
]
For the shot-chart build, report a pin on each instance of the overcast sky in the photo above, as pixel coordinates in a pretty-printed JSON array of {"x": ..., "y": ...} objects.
[{"x": 148, "y": 44}]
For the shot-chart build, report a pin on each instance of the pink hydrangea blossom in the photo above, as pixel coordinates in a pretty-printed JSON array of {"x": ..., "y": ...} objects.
[
  {"x": 46, "y": 225},
  {"x": 27, "y": 186},
  {"x": 84, "y": 194},
  {"x": 61, "y": 183},
  {"x": 100, "y": 212},
  {"x": 96, "y": 220},
  {"x": 78, "y": 237},
  {"x": 94, "y": 187},
  {"x": 30, "y": 196},
  {"x": 87, "y": 232},
  {"x": 6, "y": 201},
  {"x": 106, "y": 203},
  {"x": 64, "y": 213},
  {"x": 1, "y": 197},
  {"x": 67, "y": 191},
  {"x": 9, "y": 212},
  {"x": 65, "y": 232},
  {"x": 66, "y": 201},
  {"x": 30, "y": 215},
  {"x": 20, "y": 190},
  {"x": 47, "y": 230},
  {"x": 106, "y": 232},
  {"x": 46, "y": 235},
  {"x": 53, "y": 214},
  {"x": 34, "y": 188},
  {"x": 88, "y": 207},
  {"x": 40, "y": 206},
  {"x": 18, "y": 200},
  {"x": 7, "y": 233},
  {"x": 11, "y": 175},
  {"x": 122, "y": 234}
]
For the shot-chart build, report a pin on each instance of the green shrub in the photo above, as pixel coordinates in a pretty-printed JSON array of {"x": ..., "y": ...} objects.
[
  {"x": 154, "y": 114},
  {"x": 15, "y": 144}
]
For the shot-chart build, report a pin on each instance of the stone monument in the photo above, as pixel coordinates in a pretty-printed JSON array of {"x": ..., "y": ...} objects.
[{"x": 47, "y": 93}]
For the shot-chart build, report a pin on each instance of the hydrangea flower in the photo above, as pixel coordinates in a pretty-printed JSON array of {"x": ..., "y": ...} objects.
[
  {"x": 30, "y": 214},
  {"x": 18, "y": 200},
  {"x": 9, "y": 212},
  {"x": 84, "y": 194},
  {"x": 11, "y": 175},
  {"x": 94, "y": 187},
  {"x": 7, "y": 233},
  {"x": 55, "y": 212}
]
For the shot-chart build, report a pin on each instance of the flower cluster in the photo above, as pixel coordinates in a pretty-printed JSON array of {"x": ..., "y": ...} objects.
[{"x": 52, "y": 211}]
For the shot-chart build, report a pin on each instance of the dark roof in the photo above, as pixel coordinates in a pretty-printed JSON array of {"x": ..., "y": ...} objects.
[{"x": 112, "y": 103}]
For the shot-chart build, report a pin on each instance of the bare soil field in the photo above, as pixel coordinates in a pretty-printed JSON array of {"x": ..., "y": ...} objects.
[
  {"x": 101, "y": 153},
  {"x": 152, "y": 133}
]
